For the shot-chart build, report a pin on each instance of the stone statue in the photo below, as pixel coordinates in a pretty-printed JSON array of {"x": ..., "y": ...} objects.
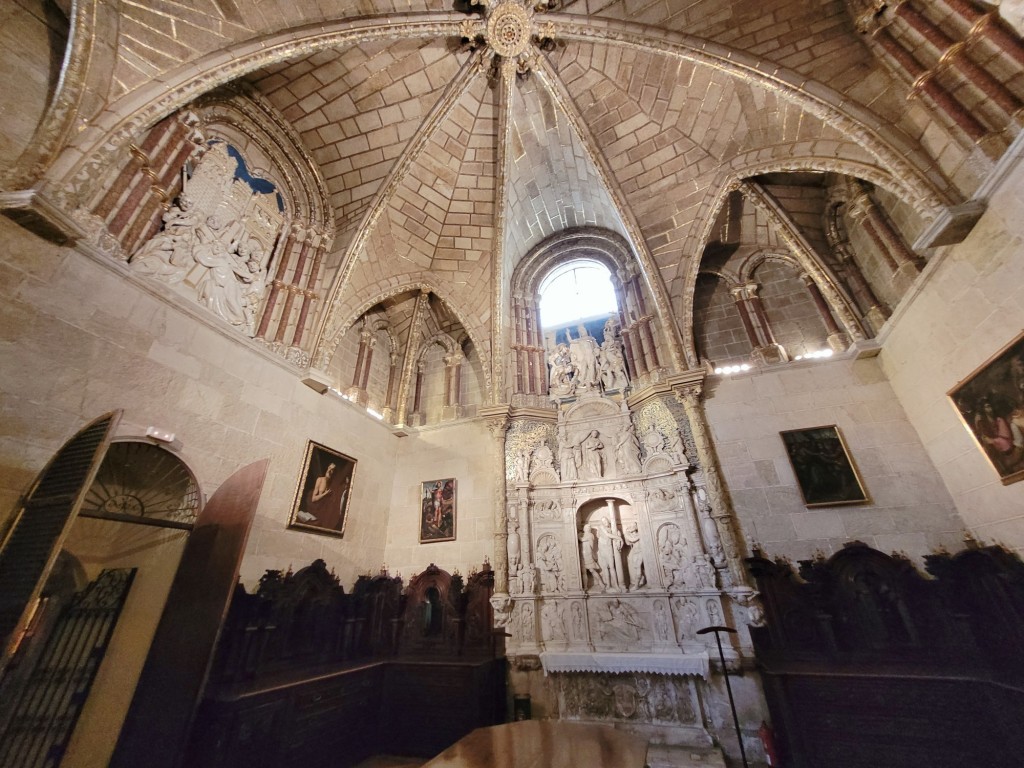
[
  {"x": 583, "y": 355},
  {"x": 549, "y": 559},
  {"x": 635, "y": 556},
  {"x": 590, "y": 449},
  {"x": 522, "y": 465},
  {"x": 589, "y": 559},
  {"x": 627, "y": 450},
  {"x": 613, "y": 364},
  {"x": 609, "y": 548},
  {"x": 563, "y": 374},
  {"x": 513, "y": 546}
]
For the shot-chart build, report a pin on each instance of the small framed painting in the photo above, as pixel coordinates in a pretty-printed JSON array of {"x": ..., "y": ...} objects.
[
  {"x": 324, "y": 491},
  {"x": 990, "y": 403},
  {"x": 437, "y": 510},
  {"x": 824, "y": 469}
]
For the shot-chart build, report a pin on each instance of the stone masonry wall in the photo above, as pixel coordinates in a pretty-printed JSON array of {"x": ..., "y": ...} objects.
[
  {"x": 910, "y": 510},
  {"x": 77, "y": 340},
  {"x": 969, "y": 308}
]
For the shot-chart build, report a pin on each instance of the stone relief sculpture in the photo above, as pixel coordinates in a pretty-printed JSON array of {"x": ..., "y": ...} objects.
[
  {"x": 543, "y": 459},
  {"x": 525, "y": 624},
  {"x": 635, "y": 556},
  {"x": 627, "y": 451},
  {"x": 546, "y": 510},
  {"x": 620, "y": 623},
  {"x": 686, "y": 617},
  {"x": 579, "y": 627},
  {"x": 661, "y": 622},
  {"x": 665, "y": 699},
  {"x": 567, "y": 458},
  {"x": 528, "y": 578},
  {"x": 168, "y": 254},
  {"x": 549, "y": 559},
  {"x": 672, "y": 551},
  {"x": 215, "y": 242},
  {"x": 677, "y": 448},
  {"x": 552, "y": 617},
  {"x": 591, "y": 449},
  {"x": 654, "y": 442},
  {"x": 714, "y": 613}
]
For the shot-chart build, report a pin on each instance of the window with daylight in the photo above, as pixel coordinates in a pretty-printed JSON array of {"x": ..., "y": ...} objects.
[{"x": 575, "y": 292}]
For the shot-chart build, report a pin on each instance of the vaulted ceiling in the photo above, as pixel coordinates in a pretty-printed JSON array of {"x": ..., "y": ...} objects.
[{"x": 454, "y": 138}]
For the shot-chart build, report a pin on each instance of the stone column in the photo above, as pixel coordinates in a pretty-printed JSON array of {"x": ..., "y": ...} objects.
[
  {"x": 837, "y": 340},
  {"x": 835, "y": 233},
  {"x": 371, "y": 342},
  {"x": 309, "y": 294},
  {"x": 950, "y": 54},
  {"x": 291, "y": 243},
  {"x": 987, "y": 25},
  {"x": 497, "y": 419},
  {"x": 924, "y": 82},
  {"x": 411, "y": 348},
  {"x": 389, "y": 398},
  {"x": 888, "y": 241},
  {"x": 690, "y": 395},
  {"x": 769, "y": 351},
  {"x": 364, "y": 336},
  {"x": 739, "y": 296}
]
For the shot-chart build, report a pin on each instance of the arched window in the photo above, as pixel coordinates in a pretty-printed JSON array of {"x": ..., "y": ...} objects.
[{"x": 576, "y": 292}]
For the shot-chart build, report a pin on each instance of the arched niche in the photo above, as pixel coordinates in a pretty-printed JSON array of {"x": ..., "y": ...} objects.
[{"x": 641, "y": 333}]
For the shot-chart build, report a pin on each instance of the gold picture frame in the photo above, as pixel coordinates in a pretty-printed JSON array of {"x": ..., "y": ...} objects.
[
  {"x": 825, "y": 471},
  {"x": 990, "y": 405},
  {"x": 437, "y": 510},
  {"x": 324, "y": 491}
]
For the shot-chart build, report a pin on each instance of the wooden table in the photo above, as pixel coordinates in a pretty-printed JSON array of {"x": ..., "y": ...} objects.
[{"x": 544, "y": 744}]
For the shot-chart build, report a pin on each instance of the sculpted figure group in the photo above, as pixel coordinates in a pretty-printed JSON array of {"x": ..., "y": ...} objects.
[{"x": 580, "y": 365}]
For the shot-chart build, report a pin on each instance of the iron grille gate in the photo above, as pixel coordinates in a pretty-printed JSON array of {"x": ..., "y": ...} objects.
[{"x": 43, "y": 717}]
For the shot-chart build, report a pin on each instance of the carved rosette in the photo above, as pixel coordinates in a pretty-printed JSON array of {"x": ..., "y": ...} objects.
[{"x": 510, "y": 31}]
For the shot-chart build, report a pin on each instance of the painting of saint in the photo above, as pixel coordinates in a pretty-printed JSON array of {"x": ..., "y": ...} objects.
[
  {"x": 990, "y": 403},
  {"x": 824, "y": 470},
  {"x": 437, "y": 510},
  {"x": 324, "y": 490}
]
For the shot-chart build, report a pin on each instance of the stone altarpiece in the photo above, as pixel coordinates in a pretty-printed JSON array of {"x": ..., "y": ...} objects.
[{"x": 615, "y": 560}]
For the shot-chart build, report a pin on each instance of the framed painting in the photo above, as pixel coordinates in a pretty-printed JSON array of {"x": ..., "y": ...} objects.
[
  {"x": 324, "y": 491},
  {"x": 990, "y": 403},
  {"x": 824, "y": 469},
  {"x": 437, "y": 510}
]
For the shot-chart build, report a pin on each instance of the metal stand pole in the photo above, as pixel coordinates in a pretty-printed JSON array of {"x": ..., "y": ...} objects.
[{"x": 728, "y": 686}]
